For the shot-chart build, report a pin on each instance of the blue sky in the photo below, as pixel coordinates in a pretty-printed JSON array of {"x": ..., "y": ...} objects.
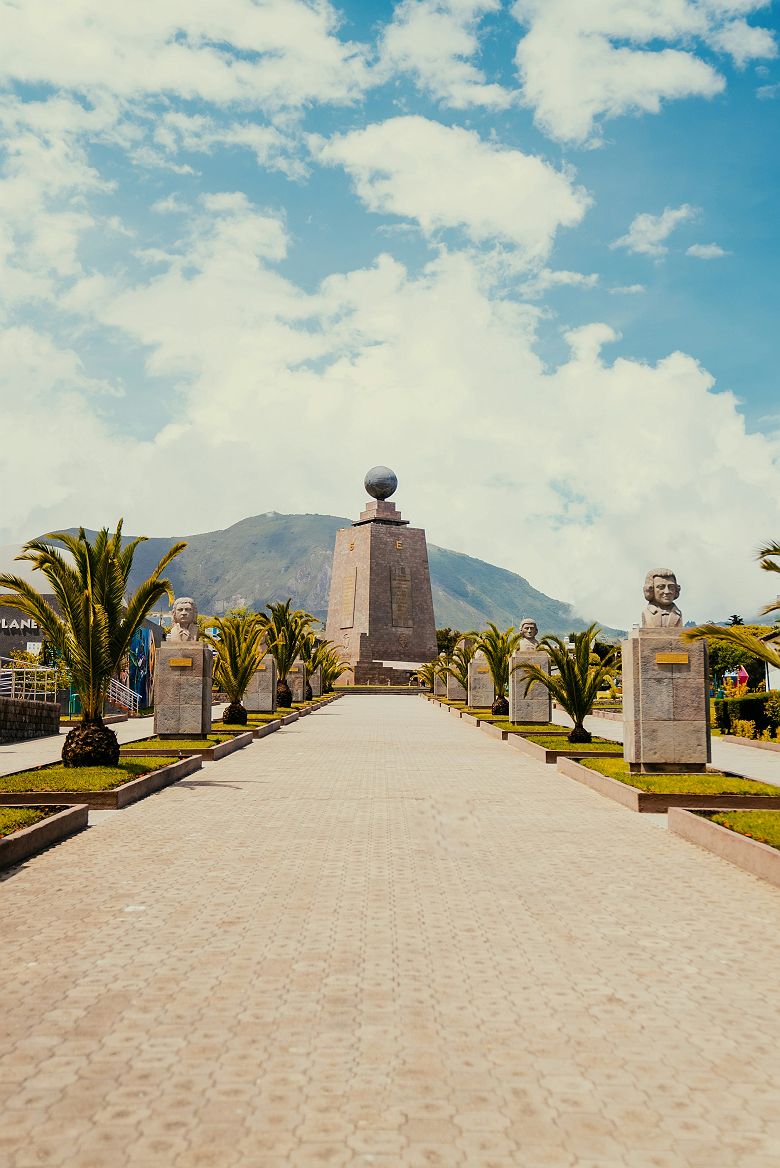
[{"x": 526, "y": 253}]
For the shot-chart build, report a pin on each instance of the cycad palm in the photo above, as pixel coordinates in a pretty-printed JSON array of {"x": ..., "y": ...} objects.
[
  {"x": 762, "y": 647},
  {"x": 498, "y": 647},
  {"x": 286, "y": 631},
  {"x": 239, "y": 648},
  {"x": 333, "y": 666},
  {"x": 93, "y": 624},
  {"x": 461, "y": 658},
  {"x": 578, "y": 677}
]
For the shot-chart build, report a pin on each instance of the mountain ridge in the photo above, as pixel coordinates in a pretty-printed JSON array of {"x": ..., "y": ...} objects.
[{"x": 271, "y": 556}]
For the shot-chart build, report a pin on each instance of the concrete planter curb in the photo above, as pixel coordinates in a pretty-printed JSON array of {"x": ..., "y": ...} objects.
[
  {"x": 113, "y": 800},
  {"x": 31, "y": 840},
  {"x": 508, "y": 735},
  {"x": 637, "y": 800},
  {"x": 207, "y": 753},
  {"x": 753, "y": 856},
  {"x": 288, "y": 719},
  {"x": 542, "y": 754},
  {"x": 754, "y": 742}
]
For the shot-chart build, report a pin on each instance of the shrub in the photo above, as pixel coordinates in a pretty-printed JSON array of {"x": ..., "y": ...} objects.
[
  {"x": 751, "y": 708},
  {"x": 772, "y": 708},
  {"x": 744, "y": 729},
  {"x": 722, "y": 720}
]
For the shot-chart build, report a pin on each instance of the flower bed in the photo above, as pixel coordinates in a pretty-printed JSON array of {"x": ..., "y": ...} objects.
[
  {"x": 103, "y": 788},
  {"x": 659, "y": 792}
]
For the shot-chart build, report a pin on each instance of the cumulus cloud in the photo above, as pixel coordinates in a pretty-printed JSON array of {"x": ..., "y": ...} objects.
[
  {"x": 448, "y": 177},
  {"x": 275, "y": 53},
  {"x": 706, "y": 251},
  {"x": 648, "y": 233},
  {"x": 581, "y": 63},
  {"x": 376, "y": 363},
  {"x": 435, "y": 42}
]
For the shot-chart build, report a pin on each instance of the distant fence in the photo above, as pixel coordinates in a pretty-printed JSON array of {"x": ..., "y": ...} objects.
[{"x": 33, "y": 683}]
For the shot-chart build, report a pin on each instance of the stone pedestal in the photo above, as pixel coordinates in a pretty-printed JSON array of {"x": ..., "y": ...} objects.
[
  {"x": 439, "y": 686},
  {"x": 537, "y": 707},
  {"x": 455, "y": 691},
  {"x": 182, "y": 689},
  {"x": 482, "y": 693},
  {"x": 260, "y": 697},
  {"x": 315, "y": 681},
  {"x": 296, "y": 679},
  {"x": 666, "y": 724}
]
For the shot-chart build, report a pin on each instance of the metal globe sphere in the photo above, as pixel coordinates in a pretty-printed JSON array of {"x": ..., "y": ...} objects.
[{"x": 380, "y": 482}]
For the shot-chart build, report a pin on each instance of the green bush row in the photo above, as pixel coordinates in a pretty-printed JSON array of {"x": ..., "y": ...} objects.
[{"x": 761, "y": 708}]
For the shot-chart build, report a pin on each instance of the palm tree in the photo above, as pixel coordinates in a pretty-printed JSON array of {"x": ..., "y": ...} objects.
[
  {"x": 735, "y": 619},
  {"x": 333, "y": 666},
  {"x": 761, "y": 647},
  {"x": 427, "y": 673},
  {"x": 240, "y": 649},
  {"x": 578, "y": 673},
  {"x": 498, "y": 647},
  {"x": 286, "y": 632},
  {"x": 461, "y": 658},
  {"x": 93, "y": 624},
  {"x": 315, "y": 654}
]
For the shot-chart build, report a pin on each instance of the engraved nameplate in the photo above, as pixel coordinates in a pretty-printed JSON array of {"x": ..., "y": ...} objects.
[
  {"x": 671, "y": 658},
  {"x": 483, "y": 669},
  {"x": 401, "y": 596},
  {"x": 180, "y": 663},
  {"x": 261, "y": 669},
  {"x": 348, "y": 599}
]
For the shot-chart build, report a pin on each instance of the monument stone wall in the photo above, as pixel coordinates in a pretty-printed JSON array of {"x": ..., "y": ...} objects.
[
  {"x": 455, "y": 691},
  {"x": 182, "y": 688},
  {"x": 537, "y": 706},
  {"x": 260, "y": 696},
  {"x": 482, "y": 692}
]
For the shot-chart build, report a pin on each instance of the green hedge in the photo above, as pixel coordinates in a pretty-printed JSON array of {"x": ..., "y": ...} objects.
[{"x": 751, "y": 708}]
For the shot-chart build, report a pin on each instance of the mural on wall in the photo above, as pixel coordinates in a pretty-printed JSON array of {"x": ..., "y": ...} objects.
[{"x": 140, "y": 666}]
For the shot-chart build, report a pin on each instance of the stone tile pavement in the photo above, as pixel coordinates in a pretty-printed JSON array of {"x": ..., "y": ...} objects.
[{"x": 380, "y": 937}]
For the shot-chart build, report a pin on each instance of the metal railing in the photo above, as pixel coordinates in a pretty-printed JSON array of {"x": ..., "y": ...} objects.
[
  {"x": 32, "y": 683},
  {"x": 122, "y": 696}
]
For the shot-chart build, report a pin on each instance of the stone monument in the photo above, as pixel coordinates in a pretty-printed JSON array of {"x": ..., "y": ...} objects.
[
  {"x": 296, "y": 679},
  {"x": 537, "y": 706},
  {"x": 666, "y": 724},
  {"x": 260, "y": 696},
  {"x": 440, "y": 685},
  {"x": 455, "y": 691},
  {"x": 380, "y": 614},
  {"x": 182, "y": 677},
  {"x": 315, "y": 681},
  {"x": 482, "y": 692}
]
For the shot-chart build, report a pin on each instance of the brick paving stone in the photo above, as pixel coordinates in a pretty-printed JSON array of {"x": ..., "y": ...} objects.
[{"x": 380, "y": 937}]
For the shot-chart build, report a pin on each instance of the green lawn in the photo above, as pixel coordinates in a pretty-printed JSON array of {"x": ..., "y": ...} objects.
[
  {"x": 531, "y": 727},
  {"x": 558, "y": 742},
  {"x": 759, "y": 825},
  {"x": 711, "y": 783},
  {"x": 60, "y": 778},
  {"x": 15, "y": 818},
  {"x": 158, "y": 743}
]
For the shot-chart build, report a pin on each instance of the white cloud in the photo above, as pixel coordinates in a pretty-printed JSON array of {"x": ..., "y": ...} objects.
[
  {"x": 272, "y": 53},
  {"x": 447, "y": 177},
  {"x": 435, "y": 41},
  {"x": 627, "y": 290},
  {"x": 706, "y": 251},
  {"x": 377, "y": 364},
  {"x": 647, "y": 233},
  {"x": 545, "y": 279},
  {"x": 581, "y": 63},
  {"x": 177, "y": 131}
]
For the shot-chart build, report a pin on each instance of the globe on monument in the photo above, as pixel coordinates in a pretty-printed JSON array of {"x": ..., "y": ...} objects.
[{"x": 380, "y": 482}]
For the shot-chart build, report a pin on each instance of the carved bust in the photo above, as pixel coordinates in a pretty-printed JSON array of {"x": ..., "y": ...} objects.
[
  {"x": 185, "y": 620},
  {"x": 661, "y": 590},
  {"x": 530, "y": 631}
]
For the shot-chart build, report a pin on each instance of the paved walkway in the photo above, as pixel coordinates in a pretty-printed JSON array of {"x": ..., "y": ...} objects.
[{"x": 380, "y": 937}]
